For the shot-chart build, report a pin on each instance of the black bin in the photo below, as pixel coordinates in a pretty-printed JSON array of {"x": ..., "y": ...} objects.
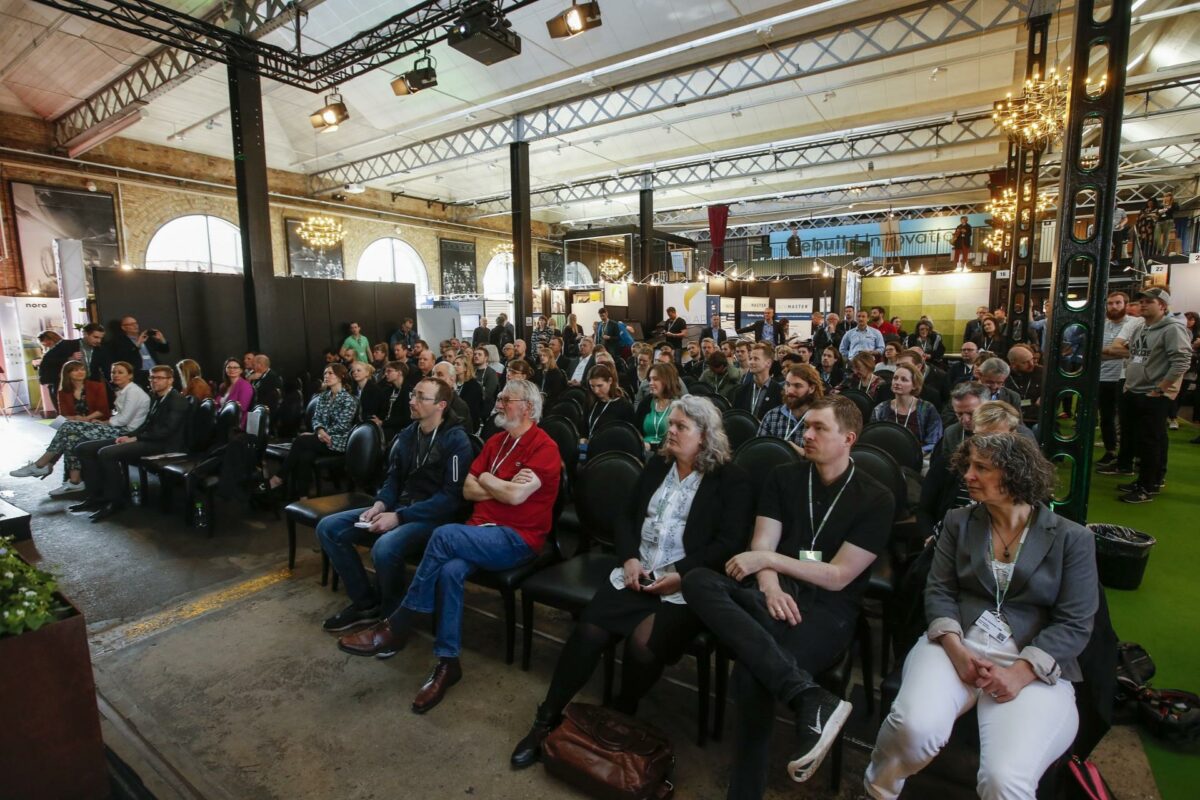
[{"x": 1121, "y": 555}]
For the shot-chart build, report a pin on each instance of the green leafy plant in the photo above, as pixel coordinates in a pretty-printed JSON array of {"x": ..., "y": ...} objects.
[{"x": 27, "y": 599}]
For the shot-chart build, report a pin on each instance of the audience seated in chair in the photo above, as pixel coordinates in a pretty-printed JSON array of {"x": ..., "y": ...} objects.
[
  {"x": 514, "y": 484},
  {"x": 906, "y": 407},
  {"x": 332, "y": 422},
  {"x": 427, "y": 466},
  {"x": 236, "y": 388},
  {"x": 130, "y": 408},
  {"x": 787, "y": 607},
  {"x": 103, "y": 462},
  {"x": 364, "y": 387},
  {"x": 1007, "y": 645},
  {"x": 802, "y": 387},
  {"x": 191, "y": 381},
  {"x": 608, "y": 403}
]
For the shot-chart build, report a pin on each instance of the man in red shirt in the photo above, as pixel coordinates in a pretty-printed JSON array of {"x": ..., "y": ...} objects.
[
  {"x": 513, "y": 483},
  {"x": 879, "y": 321}
]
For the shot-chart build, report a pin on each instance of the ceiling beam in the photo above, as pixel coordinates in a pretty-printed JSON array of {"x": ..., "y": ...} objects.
[{"x": 906, "y": 30}]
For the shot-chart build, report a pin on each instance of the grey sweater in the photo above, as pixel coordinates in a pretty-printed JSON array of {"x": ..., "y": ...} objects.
[{"x": 1157, "y": 353}]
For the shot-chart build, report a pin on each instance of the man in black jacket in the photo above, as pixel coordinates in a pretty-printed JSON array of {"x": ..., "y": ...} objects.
[
  {"x": 103, "y": 462},
  {"x": 759, "y": 394},
  {"x": 767, "y": 329},
  {"x": 141, "y": 348},
  {"x": 86, "y": 349},
  {"x": 267, "y": 383},
  {"x": 714, "y": 331}
]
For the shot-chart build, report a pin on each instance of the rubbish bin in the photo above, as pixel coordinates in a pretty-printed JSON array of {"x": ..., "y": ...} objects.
[{"x": 1121, "y": 555}]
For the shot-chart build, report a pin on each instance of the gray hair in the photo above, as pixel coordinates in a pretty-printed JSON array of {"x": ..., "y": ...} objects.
[
  {"x": 524, "y": 390},
  {"x": 714, "y": 444},
  {"x": 969, "y": 389},
  {"x": 493, "y": 353},
  {"x": 996, "y": 414},
  {"x": 995, "y": 366},
  {"x": 1026, "y": 475}
]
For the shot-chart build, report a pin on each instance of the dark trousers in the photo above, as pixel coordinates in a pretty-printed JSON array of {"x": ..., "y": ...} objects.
[
  {"x": 297, "y": 469},
  {"x": 1110, "y": 397},
  {"x": 775, "y": 662},
  {"x": 103, "y": 466},
  {"x": 1149, "y": 428},
  {"x": 1125, "y": 421}
]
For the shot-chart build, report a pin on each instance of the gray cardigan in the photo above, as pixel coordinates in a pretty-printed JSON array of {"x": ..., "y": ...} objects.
[{"x": 1052, "y": 599}]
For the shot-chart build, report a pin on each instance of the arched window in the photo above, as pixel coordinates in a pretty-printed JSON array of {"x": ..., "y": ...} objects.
[
  {"x": 498, "y": 286},
  {"x": 196, "y": 243},
  {"x": 394, "y": 261},
  {"x": 577, "y": 274}
]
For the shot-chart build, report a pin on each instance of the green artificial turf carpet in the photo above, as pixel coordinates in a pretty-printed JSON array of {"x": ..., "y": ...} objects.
[{"x": 1163, "y": 615}]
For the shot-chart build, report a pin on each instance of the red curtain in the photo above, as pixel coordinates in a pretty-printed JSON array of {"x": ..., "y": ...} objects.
[{"x": 718, "y": 221}]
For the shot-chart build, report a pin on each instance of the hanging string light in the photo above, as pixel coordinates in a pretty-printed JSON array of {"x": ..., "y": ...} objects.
[
  {"x": 320, "y": 232},
  {"x": 1004, "y": 208},
  {"x": 1039, "y": 115}
]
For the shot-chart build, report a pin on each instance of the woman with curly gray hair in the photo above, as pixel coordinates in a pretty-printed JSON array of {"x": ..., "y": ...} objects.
[
  {"x": 691, "y": 508},
  {"x": 1011, "y": 597}
]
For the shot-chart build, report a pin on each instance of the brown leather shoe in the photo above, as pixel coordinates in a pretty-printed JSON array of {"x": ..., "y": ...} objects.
[
  {"x": 379, "y": 640},
  {"x": 447, "y": 673}
]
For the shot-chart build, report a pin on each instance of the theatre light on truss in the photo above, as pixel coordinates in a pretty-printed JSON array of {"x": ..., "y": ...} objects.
[
  {"x": 1038, "y": 116},
  {"x": 320, "y": 232},
  {"x": 423, "y": 75},
  {"x": 327, "y": 119},
  {"x": 575, "y": 20},
  {"x": 612, "y": 269}
]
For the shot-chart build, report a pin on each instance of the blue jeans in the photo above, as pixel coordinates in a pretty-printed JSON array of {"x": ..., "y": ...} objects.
[
  {"x": 453, "y": 553},
  {"x": 338, "y": 539}
]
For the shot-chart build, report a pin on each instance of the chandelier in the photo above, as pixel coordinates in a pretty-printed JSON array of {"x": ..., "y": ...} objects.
[
  {"x": 504, "y": 250},
  {"x": 994, "y": 241},
  {"x": 1036, "y": 117},
  {"x": 1004, "y": 207},
  {"x": 612, "y": 269},
  {"x": 321, "y": 233}
]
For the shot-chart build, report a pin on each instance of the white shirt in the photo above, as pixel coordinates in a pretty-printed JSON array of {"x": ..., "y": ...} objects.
[
  {"x": 581, "y": 369},
  {"x": 662, "y": 530},
  {"x": 130, "y": 408},
  {"x": 1113, "y": 369}
]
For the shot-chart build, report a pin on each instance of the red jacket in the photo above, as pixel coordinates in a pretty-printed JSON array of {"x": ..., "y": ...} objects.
[{"x": 94, "y": 394}]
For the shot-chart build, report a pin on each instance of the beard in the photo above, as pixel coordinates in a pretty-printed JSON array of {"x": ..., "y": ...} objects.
[{"x": 1113, "y": 315}]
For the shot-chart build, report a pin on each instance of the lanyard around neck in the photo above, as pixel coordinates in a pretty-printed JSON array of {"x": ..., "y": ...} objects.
[
  {"x": 991, "y": 559},
  {"x": 501, "y": 457},
  {"x": 812, "y": 525}
]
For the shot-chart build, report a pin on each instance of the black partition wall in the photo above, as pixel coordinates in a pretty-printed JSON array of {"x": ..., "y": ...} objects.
[{"x": 202, "y": 315}]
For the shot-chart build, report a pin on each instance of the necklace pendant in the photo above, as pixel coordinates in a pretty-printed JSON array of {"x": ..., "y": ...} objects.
[{"x": 1006, "y": 552}]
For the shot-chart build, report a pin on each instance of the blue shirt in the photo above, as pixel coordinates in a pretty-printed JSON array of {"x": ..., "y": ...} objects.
[
  {"x": 147, "y": 359},
  {"x": 855, "y": 341}
]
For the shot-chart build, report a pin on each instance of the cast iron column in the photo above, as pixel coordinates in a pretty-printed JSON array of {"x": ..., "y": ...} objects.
[
  {"x": 250, "y": 170},
  {"x": 1075, "y": 333},
  {"x": 1024, "y": 231},
  {"x": 522, "y": 236},
  {"x": 646, "y": 232}
]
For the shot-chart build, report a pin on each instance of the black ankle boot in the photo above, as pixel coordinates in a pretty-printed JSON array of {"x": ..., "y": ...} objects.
[{"x": 529, "y": 749}]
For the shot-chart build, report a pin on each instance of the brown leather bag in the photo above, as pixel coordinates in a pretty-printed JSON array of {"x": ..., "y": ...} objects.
[{"x": 609, "y": 755}]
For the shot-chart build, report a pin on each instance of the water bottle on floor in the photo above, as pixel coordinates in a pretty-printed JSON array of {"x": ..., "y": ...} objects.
[
  {"x": 135, "y": 493},
  {"x": 199, "y": 518}
]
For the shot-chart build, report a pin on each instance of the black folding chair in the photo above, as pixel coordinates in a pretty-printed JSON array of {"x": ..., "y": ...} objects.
[
  {"x": 740, "y": 426},
  {"x": 618, "y": 436}
]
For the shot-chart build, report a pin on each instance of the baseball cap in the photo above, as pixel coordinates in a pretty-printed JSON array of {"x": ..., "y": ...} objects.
[{"x": 1154, "y": 293}]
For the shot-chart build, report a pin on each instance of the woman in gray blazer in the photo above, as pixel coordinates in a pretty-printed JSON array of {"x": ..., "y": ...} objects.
[{"x": 1010, "y": 600}]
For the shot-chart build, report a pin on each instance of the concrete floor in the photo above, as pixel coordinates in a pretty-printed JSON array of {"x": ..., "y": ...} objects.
[{"x": 215, "y": 680}]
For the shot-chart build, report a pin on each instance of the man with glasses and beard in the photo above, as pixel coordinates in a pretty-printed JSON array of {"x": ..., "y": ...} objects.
[
  {"x": 513, "y": 484},
  {"x": 427, "y": 466},
  {"x": 802, "y": 386}
]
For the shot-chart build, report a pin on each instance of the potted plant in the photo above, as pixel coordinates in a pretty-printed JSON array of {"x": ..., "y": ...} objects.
[{"x": 50, "y": 746}]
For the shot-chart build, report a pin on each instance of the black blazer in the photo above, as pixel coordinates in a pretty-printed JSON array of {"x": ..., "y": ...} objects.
[
  {"x": 120, "y": 348},
  {"x": 551, "y": 382},
  {"x": 268, "y": 390},
  {"x": 719, "y": 522},
  {"x": 936, "y": 387},
  {"x": 745, "y": 395},
  {"x": 471, "y": 393},
  {"x": 598, "y": 416},
  {"x": 166, "y": 424},
  {"x": 398, "y": 417},
  {"x": 502, "y": 335},
  {"x": 757, "y": 328},
  {"x": 718, "y": 336},
  {"x": 50, "y": 370},
  {"x": 371, "y": 401}
]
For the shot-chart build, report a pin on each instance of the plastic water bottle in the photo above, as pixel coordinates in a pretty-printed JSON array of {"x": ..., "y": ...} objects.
[
  {"x": 198, "y": 517},
  {"x": 135, "y": 493}
]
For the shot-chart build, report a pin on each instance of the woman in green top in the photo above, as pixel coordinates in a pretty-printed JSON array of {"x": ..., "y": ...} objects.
[
  {"x": 652, "y": 411},
  {"x": 358, "y": 343}
]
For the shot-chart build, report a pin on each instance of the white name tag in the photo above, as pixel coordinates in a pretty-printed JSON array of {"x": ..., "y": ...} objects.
[
  {"x": 1026, "y": 402},
  {"x": 809, "y": 555},
  {"x": 1138, "y": 359},
  {"x": 994, "y": 626}
]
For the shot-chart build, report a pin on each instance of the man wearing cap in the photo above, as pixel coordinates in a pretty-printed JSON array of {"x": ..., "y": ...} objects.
[{"x": 1159, "y": 355}]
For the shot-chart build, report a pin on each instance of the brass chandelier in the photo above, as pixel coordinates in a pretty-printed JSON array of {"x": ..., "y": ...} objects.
[
  {"x": 1038, "y": 116},
  {"x": 612, "y": 269},
  {"x": 321, "y": 233},
  {"x": 1004, "y": 207}
]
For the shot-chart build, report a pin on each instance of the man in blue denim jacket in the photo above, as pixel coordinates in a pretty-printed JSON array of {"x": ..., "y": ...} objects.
[{"x": 427, "y": 467}]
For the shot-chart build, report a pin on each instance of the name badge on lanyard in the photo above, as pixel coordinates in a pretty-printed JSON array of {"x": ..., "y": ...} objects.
[
  {"x": 994, "y": 626},
  {"x": 810, "y": 555}
]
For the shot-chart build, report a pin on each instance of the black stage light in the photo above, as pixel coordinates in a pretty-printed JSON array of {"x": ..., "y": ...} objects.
[
  {"x": 484, "y": 34},
  {"x": 423, "y": 75},
  {"x": 575, "y": 20},
  {"x": 327, "y": 119}
]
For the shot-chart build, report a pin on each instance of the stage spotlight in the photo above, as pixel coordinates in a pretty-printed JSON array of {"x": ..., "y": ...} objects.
[
  {"x": 423, "y": 75},
  {"x": 327, "y": 119},
  {"x": 575, "y": 20},
  {"x": 484, "y": 34}
]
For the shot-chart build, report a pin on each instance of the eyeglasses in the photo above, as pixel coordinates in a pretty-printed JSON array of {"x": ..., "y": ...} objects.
[
  {"x": 161, "y": 378},
  {"x": 507, "y": 400},
  {"x": 421, "y": 398}
]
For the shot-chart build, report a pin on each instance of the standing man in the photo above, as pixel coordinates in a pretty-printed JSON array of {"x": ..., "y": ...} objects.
[
  {"x": 714, "y": 331},
  {"x": 513, "y": 484},
  {"x": 1159, "y": 355},
  {"x": 103, "y": 461},
  {"x": 358, "y": 343},
  {"x": 542, "y": 333},
  {"x": 794, "y": 247},
  {"x": 1120, "y": 232},
  {"x": 88, "y": 349},
  {"x": 407, "y": 333},
  {"x": 963, "y": 370},
  {"x": 801, "y": 388},
  {"x": 766, "y": 329},
  {"x": 141, "y": 348},
  {"x": 880, "y": 323},
  {"x": 675, "y": 329},
  {"x": 788, "y": 605},
  {"x": 1112, "y": 372},
  {"x": 849, "y": 315},
  {"x": 46, "y": 371},
  {"x": 608, "y": 333},
  {"x": 862, "y": 338},
  {"x": 961, "y": 239},
  {"x": 503, "y": 333},
  {"x": 482, "y": 333},
  {"x": 427, "y": 466},
  {"x": 759, "y": 394}
]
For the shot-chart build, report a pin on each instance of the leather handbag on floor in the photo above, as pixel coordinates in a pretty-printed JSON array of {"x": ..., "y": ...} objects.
[{"x": 609, "y": 755}]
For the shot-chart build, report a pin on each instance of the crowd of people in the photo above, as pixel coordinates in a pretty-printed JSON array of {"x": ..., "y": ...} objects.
[{"x": 773, "y": 565}]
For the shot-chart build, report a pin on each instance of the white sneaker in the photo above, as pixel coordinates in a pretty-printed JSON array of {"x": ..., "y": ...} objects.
[
  {"x": 67, "y": 488},
  {"x": 1173, "y": 424},
  {"x": 31, "y": 470}
]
